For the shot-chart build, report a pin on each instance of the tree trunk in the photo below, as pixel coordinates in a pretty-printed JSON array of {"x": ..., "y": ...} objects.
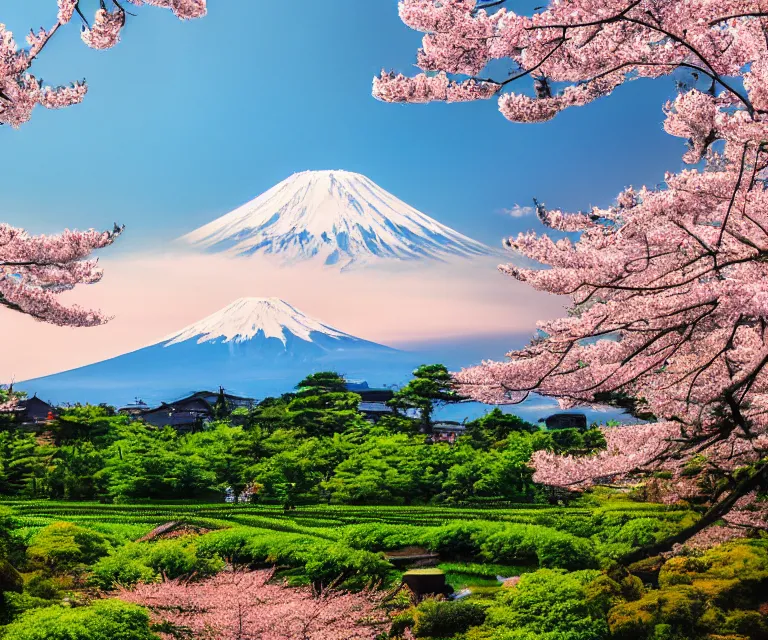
[{"x": 714, "y": 514}]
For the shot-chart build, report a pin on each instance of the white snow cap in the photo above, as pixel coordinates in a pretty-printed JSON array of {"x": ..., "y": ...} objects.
[
  {"x": 338, "y": 217},
  {"x": 244, "y": 318}
]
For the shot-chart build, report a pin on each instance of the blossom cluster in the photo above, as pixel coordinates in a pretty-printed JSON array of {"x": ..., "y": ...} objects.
[
  {"x": 35, "y": 269},
  {"x": 20, "y": 91},
  {"x": 250, "y": 604}
]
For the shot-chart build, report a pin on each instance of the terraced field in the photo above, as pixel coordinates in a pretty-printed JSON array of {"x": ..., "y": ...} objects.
[{"x": 319, "y": 520}]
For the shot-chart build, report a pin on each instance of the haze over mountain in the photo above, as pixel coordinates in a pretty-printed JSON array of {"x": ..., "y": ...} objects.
[{"x": 337, "y": 218}]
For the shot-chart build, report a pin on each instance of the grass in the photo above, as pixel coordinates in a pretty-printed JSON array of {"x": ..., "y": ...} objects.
[
  {"x": 480, "y": 578},
  {"x": 484, "y": 570}
]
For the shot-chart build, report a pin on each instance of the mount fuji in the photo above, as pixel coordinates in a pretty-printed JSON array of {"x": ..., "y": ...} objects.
[
  {"x": 336, "y": 218},
  {"x": 254, "y": 346},
  {"x": 261, "y": 347}
]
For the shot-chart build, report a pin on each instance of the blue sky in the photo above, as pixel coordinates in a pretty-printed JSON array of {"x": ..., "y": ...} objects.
[{"x": 185, "y": 121}]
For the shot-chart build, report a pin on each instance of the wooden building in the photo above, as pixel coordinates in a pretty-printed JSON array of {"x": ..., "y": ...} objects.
[
  {"x": 32, "y": 414},
  {"x": 135, "y": 409},
  {"x": 192, "y": 412},
  {"x": 447, "y": 431},
  {"x": 373, "y": 402},
  {"x": 35, "y": 411},
  {"x": 167, "y": 415}
]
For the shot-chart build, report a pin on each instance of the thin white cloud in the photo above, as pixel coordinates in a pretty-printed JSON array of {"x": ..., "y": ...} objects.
[{"x": 518, "y": 212}]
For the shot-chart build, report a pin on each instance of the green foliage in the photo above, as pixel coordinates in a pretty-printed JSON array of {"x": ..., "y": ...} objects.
[
  {"x": 431, "y": 387},
  {"x": 552, "y": 604},
  {"x": 495, "y": 426},
  {"x": 321, "y": 561},
  {"x": 146, "y": 463},
  {"x": 530, "y": 543},
  {"x": 296, "y": 469},
  {"x": 440, "y": 619},
  {"x": 323, "y": 406},
  {"x": 64, "y": 546},
  {"x": 677, "y": 611},
  {"x": 23, "y": 464},
  {"x": 701, "y": 594},
  {"x": 389, "y": 469},
  {"x": 376, "y": 536},
  {"x": 148, "y": 562},
  {"x": 461, "y": 539},
  {"x": 74, "y": 473},
  {"x": 502, "y": 472},
  {"x": 227, "y": 452},
  {"x": 87, "y": 423},
  {"x": 103, "y": 620}
]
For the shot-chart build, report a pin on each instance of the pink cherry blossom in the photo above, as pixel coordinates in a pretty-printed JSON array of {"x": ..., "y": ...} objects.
[
  {"x": 182, "y": 9},
  {"x": 66, "y": 10},
  {"x": 21, "y": 92},
  {"x": 234, "y": 605},
  {"x": 35, "y": 269},
  {"x": 104, "y": 33},
  {"x": 669, "y": 285}
]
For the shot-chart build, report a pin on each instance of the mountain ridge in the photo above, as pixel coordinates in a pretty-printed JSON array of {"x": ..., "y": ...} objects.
[
  {"x": 244, "y": 318},
  {"x": 257, "y": 346},
  {"x": 340, "y": 218}
]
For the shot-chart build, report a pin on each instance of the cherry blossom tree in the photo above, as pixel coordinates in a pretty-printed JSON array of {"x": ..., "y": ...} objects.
[
  {"x": 669, "y": 286},
  {"x": 239, "y": 605},
  {"x": 34, "y": 269}
]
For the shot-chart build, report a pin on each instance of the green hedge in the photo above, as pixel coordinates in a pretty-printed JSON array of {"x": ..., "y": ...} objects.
[{"x": 103, "y": 620}]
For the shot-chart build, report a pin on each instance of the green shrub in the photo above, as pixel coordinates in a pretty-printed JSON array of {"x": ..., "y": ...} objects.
[
  {"x": 121, "y": 569},
  {"x": 402, "y": 621},
  {"x": 338, "y": 564},
  {"x": 176, "y": 558},
  {"x": 322, "y": 561},
  {"x": 747, "y": 623},
  {"x": 63, "y": 546},
  {"x": 531, "y": 543},
  {"x": 376, "y": 536},
  {"x": 512, "y": 544},
  {"x": 103, "y": 620},
  {"x": 460, "y": 539},
  {"x": 439, "y": 619},
  {"x": 643, "y": 531},
  {"x": 147, "y": 562},
  {"x": 42, "y": 586},
  {"x": 581, "y": 526},
  {"x": 230, "y": 544},
  {"x": 15, "y": 604},
  {"x": 679, "y": 610},
  {"x": 569, "y": 606}
]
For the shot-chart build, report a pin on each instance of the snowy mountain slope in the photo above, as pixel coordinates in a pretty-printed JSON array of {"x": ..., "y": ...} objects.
[
  {"x": 338, "y": 218},
  {"x": 254, "y": 346},
  {"x": 245, "y": 318}
]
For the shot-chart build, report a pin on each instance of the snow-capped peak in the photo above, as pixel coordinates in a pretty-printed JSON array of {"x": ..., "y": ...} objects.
[
  {"x": 337, "y": 217},
  {"x": 245, "y": 318}
]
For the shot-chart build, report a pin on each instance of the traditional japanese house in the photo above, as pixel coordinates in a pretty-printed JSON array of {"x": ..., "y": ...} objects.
[{"x": 192, "y": 412}]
